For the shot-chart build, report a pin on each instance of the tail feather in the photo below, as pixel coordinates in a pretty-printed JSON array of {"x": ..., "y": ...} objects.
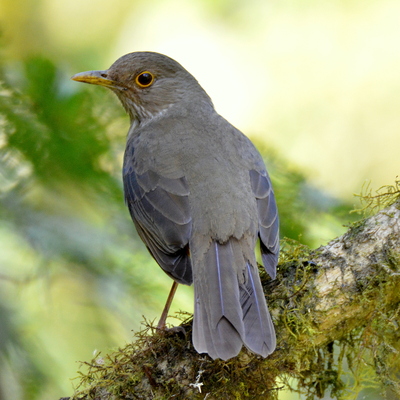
[
  {"x": 230, "y": 308},
  {"x": 217, "y": 328},
  {"x": 202, "y": 332},
  {"x": 259, "y": 329},
  {"x": 213, "y": 341}
]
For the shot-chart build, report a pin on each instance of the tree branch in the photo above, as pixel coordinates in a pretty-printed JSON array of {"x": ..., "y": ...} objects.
[{"x": 335, "y": 309}]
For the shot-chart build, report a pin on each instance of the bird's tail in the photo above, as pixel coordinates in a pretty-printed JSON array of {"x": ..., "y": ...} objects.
[{"x": 230, "y": 307}]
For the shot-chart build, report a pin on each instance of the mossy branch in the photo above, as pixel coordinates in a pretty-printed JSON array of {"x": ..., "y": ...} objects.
[{"x": 336, "y": 312}]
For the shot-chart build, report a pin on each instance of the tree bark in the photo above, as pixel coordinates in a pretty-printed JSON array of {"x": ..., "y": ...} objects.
[{"x": 336, "y": 312}]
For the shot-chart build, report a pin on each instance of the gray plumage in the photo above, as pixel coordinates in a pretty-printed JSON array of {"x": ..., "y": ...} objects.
[{"x": 200, "y": 197}]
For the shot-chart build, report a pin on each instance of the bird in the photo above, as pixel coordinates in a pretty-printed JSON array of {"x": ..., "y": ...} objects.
[{"x": 200, "y": 197}]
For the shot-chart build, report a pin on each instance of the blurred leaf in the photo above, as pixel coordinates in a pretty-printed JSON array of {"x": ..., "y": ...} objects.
[{"x": 53, "y": 130}]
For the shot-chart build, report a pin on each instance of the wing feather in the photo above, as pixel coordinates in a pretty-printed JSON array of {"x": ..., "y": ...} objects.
[
  {"x": 159, "y": 207},
  {"x": 268, "y": 220}
]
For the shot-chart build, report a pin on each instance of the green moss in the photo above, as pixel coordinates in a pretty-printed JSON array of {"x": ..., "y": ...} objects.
[
  {"x": 385, "y": 196},
  {"x": 169, "y": 366},
  {"x": 366, "y": 355}
]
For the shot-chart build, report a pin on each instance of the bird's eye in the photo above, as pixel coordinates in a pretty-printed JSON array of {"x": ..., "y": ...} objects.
[{"x": 144, "y": 79}]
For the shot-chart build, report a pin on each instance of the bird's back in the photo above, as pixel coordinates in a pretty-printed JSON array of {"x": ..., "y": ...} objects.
[{"x": 216, "y": 159}]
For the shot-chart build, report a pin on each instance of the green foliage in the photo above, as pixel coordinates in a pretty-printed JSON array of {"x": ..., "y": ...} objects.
[{"x": 55, "y": 132}]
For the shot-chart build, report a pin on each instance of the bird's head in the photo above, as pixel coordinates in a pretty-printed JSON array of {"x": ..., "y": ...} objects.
[{"x": 148, "y": 84}]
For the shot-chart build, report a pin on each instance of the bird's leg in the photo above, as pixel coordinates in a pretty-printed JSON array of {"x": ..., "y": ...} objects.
[{"x": 161, "y": 323}]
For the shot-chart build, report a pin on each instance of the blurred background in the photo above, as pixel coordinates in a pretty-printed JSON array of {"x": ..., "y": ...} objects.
[{"x": 315, "y": 84}]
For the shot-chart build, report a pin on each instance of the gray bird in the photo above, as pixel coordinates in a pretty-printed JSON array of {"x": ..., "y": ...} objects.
[{"x": 200, "y": 197}]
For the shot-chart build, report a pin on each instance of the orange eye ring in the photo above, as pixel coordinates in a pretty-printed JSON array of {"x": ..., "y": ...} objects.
[{"x": 144, "y": 79}]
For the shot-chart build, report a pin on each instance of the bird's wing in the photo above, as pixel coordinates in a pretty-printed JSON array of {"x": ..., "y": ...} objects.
[
  {"x": 159, "y": 207},
  {"x": 268, "y": 220}
]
